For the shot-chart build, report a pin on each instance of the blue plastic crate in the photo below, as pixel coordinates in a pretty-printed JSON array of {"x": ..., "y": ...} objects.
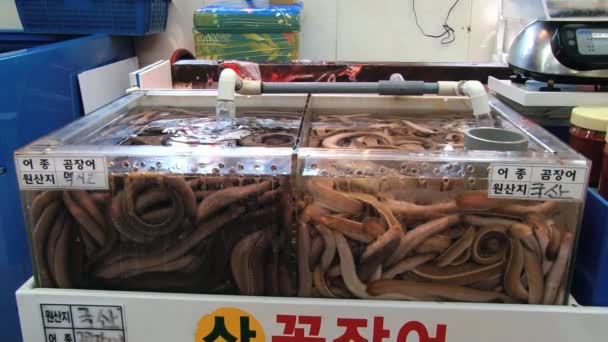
[
  {"x": 117, "y": 17},
  {"x": 590, "y": 286}
]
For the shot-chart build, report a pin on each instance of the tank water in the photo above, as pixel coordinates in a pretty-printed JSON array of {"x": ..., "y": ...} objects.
[{"x": 225, "y": 112}]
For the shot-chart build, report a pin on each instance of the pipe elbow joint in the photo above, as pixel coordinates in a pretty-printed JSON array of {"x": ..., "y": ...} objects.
[
  {"x": 228, "y": 85},
  {"x": 478, "y": 95}
]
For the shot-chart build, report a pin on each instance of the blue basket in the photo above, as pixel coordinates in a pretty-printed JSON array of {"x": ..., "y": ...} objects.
[{"x": 117, "y": 17}]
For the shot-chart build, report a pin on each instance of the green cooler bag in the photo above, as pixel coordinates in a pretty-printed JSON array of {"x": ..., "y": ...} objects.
[{"x": 231, "y": 30}]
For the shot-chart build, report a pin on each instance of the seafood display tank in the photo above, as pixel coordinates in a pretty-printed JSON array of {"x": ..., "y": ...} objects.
[
  {"x": 189, "y": 205},
  {"x": 332, "y": 196},
  {"x": 392, "y": 206}
]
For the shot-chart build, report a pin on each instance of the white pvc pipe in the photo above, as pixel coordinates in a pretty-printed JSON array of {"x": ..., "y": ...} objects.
[
  {"x": 448, "y": 88},
  {"x": 251, "y": 88},
  {"x": 228, "y": 83},
  {"x": 478, "y": 95}
]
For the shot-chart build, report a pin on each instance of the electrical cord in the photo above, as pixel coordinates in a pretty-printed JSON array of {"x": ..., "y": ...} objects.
[{"x": 449, "y": 35}]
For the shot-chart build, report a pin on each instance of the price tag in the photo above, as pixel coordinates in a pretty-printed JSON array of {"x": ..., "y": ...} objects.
[
  {"x": 81, "y": 323},
  {"x": 537, "y": 182},
  {"x": 65, "y": 172}
]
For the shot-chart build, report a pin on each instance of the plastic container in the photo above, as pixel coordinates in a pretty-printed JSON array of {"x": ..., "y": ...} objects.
[
  {"x": 590, "y": 284},
  {"x": 117, "y": 17},
  {"x": 227, "y": 30},
  {"x": 391, "y": 206},
  {"x": 17, "y": 40},
  {"x": 362, "y": 184},
  {"x": 587, "y": 136},
  {"x": 187, "y": 206},
  {"x": 494, "y": 139},
  {"x": 603, "y": 186}
]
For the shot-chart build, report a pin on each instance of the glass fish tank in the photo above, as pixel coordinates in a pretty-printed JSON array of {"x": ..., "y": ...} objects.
[
  {"x": 329, "y": 196},
  {"x": 392, "y": 205},
  {"x": 152, "y": 193}
]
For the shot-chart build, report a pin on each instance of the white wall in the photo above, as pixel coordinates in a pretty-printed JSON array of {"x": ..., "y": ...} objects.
[
  {"x": 178, "y": 35},
  {"x": 9, "y": 17},
  {"x": 364, "y": 30}
]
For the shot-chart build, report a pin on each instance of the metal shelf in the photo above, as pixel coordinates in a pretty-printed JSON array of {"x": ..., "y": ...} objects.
[
  {"x": 183, "y": 317},
  {"x": 525, "y": 96}
]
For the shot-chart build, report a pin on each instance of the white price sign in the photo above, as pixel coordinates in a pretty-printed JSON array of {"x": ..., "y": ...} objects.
[
  {"x": 64, "y": 172},
  {"x": 539, "y": 182},
  {"x": 81, "y": 323}
]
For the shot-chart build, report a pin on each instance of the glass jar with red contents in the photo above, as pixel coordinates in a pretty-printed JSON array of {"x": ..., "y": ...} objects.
[{"x": 588, "y": 136}]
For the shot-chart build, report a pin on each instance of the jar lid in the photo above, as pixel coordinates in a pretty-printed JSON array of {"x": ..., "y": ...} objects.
[{"x": 593, "y": 118}]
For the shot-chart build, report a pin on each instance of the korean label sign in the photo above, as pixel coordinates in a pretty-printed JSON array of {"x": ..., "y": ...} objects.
[
  {"x": 82, "y": 323},
  {"x": 232, "y": 325},
  {"x": 537, "y": 182},
  {"x": 71, "y": 172}
]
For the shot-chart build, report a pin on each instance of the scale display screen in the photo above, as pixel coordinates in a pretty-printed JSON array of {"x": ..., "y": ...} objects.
[{"x": 592, "y": 41}]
